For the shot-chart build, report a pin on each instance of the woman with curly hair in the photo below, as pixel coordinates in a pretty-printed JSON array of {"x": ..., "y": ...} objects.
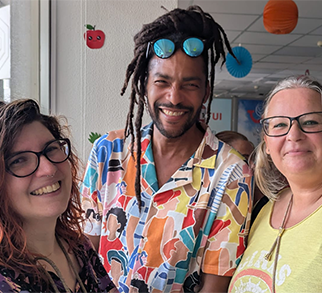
[{"x": 42, "y": 247}]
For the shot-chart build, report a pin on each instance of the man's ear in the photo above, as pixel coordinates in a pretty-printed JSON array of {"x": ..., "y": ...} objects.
[{"x": 207, "y": 93}]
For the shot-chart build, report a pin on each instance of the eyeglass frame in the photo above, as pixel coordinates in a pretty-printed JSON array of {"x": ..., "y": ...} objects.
[
  {"x": 38, "y": 154},
  {"x": 151, "y": 45},
  {"x": 262, "y": 121}
]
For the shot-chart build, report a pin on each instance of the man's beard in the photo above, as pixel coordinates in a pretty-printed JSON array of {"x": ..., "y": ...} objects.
[{"x": 191, "y": 120}]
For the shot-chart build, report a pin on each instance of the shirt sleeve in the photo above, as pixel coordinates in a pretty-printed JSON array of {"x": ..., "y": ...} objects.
[
  {"x": 90, "y": 193},
  {"x": 228, "y": 234}
]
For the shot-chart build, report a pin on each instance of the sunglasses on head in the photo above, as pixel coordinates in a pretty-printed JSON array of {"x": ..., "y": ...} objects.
[{"x": 164, "y": 48}]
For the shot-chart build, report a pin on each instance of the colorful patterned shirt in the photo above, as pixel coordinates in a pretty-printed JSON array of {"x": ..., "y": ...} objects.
[
  {"x": 198, "y": 220},
  {"x": 92, "y": 274}
]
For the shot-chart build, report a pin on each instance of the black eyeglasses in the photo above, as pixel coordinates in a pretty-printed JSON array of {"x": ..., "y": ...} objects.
[
  {"x": 25, "y": 163},
  {"x": 281, "y": 125},
  {"x": 164, "y": 48}
]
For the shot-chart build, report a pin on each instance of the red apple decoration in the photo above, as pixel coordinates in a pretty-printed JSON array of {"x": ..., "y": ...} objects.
[{"x": 94, "y": 38}]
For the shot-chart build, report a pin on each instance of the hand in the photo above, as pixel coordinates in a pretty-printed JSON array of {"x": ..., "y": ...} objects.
[{"x": 213, "y": 283}]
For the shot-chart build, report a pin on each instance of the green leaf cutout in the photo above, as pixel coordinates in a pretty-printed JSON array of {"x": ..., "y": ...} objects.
[
  {"x": 89, "y": 27},
  {"x": 93, "y": 136}
]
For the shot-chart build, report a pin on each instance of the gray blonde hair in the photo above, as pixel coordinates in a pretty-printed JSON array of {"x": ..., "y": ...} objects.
[{"x": 268, "y": 178}]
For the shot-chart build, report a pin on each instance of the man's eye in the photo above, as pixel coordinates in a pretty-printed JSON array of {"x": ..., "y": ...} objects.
[
  {"x": 160, "y": 81},
  {"x": 192, "y": 85}
]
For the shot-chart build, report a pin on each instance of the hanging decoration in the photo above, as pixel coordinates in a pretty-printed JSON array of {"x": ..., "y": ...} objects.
[
  {"x": 280, "y": 16},
  {"x": 241, "y": 67},
  {"x": 94, "y": 38}
]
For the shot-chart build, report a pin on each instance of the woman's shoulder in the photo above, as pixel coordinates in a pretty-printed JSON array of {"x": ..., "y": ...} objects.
[
  {"x": 261, "y": 214},
  {"x": 85, "y": 249},
  {"x": 258, "y": 207}
]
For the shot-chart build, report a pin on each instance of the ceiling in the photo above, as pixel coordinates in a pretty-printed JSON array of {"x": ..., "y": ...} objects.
[{"x": 274, "y": 56}]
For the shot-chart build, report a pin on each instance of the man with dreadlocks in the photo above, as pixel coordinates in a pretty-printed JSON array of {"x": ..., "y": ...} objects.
[{"x": 186, "y": 195}]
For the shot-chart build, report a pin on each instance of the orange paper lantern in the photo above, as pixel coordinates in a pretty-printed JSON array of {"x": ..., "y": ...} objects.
[{"x": 280, "y": 16}]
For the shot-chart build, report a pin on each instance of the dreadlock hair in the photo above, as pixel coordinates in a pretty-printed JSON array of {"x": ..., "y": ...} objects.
[{"x": 178, "y": 24}]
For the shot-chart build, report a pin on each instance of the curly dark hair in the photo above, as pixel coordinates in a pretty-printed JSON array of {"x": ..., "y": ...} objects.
[
  {"x": 177, "y": 25},
  {"x": 121, "y": 217},
  {"x": 14, "y": 253}
]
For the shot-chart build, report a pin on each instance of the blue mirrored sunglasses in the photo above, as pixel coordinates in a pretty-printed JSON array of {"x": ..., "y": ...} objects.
[{"x": 164, "y": 48}]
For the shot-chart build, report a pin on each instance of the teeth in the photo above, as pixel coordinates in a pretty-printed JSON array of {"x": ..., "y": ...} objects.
[
  {"x": 172, "y": 113},
  {"x": 46, "y": 189}
]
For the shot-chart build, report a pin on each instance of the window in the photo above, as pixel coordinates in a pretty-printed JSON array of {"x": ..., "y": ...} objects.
[{"x": 25, "y": 54}]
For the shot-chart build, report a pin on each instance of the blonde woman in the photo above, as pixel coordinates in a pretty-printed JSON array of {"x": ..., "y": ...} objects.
[{"x": 284, "y": 248}]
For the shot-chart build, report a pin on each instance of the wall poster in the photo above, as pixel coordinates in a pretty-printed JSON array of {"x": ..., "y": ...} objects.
[
  {"x": 220, "y": 118},
  {"x": 249, "y": 114}
]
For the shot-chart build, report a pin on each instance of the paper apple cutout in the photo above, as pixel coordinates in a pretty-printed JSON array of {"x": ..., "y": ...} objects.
[{"x": 94, "y": 38}]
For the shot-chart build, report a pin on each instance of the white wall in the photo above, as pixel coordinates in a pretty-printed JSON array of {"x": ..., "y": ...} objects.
[{"x": 88, "y": 82}]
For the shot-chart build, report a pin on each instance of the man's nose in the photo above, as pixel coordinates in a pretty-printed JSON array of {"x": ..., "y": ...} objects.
[{"x": 175, "y": 95}]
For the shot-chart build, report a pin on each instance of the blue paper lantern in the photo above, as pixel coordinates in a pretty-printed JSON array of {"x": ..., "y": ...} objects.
[{"x": 241, "y": 67}]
